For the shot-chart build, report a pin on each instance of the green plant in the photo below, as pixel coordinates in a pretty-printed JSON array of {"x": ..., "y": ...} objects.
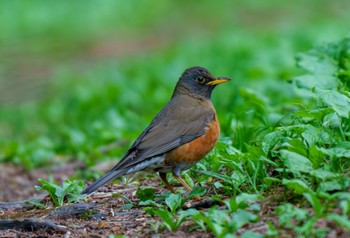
[
  {"x": 68, "y": 192},
  {"x": 176, "y": 216}
]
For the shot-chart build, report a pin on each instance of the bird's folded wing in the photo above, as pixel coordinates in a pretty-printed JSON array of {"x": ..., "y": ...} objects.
[{"x": 172, "y": 127}]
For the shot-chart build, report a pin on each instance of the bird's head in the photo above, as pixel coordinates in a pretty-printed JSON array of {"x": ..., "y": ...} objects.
[{"x": 198, "y": 81}]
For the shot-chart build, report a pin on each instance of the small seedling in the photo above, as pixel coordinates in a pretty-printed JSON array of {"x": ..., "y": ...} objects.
[{"x": 69, "y": 191}]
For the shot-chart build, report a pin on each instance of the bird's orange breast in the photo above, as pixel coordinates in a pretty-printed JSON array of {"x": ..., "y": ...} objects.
[{"x": 195, "y": 150}]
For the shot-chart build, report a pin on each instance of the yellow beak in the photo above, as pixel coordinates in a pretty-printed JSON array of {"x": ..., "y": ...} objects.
[{"x": 219, "y": 80}]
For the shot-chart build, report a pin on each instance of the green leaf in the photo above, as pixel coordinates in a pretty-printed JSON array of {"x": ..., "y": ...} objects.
[
  {"x": 70, "y": 190},
  {"x": 342, "y": 221},
  {"x": 271, "y": 139},
  {"x": 297, "y": 145},
  {"x": 167, "y": 217},
  {"x": 246, "y": 198},
  {"x": 324, "y": 174},
  {"x": 341, "y": 150},
  {"x": 225, "y": 178},
  {"x": 316, "y": 156},
  {"x": 316, "y": 135},
  {"x": 315, "y": 61},
  {"x": 314, "y": 114},
  {"x": 295, "y": 162},
  {"x": 184, "y": 214},
  {"x": 198, "y": 191},
  {"x": 212, "y": 223},
  {"x": 270, "y": 180},
  {"x": 298, "y": 186},
  {"x": 146, "y": 193},
  {"x": 315, "y": 202},
  {"x": 329, "y": 186},
  {"x": 51, "y": 189},
  {"x": 150, "y": 203},
  {"x": 36, "y": 203},
  {"x": 337, "y": 101},
  {"x": 231, "y": 204},
  {"x": 242, "y": 217},
  {"x": 345, "y": 206},
  {"x": 251, "y": 234},
  {"x": 287, "y": 212},
  {"x": 188, "y": 179},
  {"x": 321, "y": 68},
  {"x": 173, "y": 202}
]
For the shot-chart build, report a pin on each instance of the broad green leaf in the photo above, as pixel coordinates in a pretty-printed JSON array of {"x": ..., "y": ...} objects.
[
  {"x": 316, "y": 156},
  {"x": 251, "y": 234},
  {"x": 211, "y": 222},
  {"x": 145, "y": 194},
  {"x": 231, "y": 204},
  {"x": 337, "y": 101},
  {"x": 298, "y": 186},
  {"x": 315, "y": 203},
  {"x": 324, "y": 174},
  {"x": 271, "y": 139},
  {"x": 246, "y": 198},
  {"x": 296, "y": 145},
  {"x": 329, "y": 186},
  {"x": 342, "y": 221},
  {"x": 198, "y": 191},
  {"x": 270, "y": 180},
  {"x": 295, "y": 162},
  {"x": 310, "y": 81},
  {"x": 332, "y": 120},
  {"x": 315, "y": 114},
  {"x": 316, "y": 135},
  {"x": 173, "y": 202},
  {"x": 316, "y": 62},
  {"x": 242, "y": 217},
  {"x": 345, "y": 206},
  {"x": 184, "y": 214},
  {"x": 341, "y": 150},
  {"x": 287, "y": 212},
  {"x": 321, "y": 69},
  {"x": 167, "y": 217}
]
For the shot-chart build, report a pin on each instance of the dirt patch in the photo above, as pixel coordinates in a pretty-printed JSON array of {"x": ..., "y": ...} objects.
[
  {"x": 107, "y": 216},
  {"x": 102, "y": 213}
]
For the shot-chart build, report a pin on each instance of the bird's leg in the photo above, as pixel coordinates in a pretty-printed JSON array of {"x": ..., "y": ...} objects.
[
  {"x": 182, "y": 181},
  {"x": 163, "y": 178}
]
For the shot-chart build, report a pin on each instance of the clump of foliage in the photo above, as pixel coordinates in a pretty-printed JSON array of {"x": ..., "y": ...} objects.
[{"x": 69, "y": 192}]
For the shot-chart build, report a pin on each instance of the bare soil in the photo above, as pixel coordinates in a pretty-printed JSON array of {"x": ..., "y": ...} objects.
[
  {"x": 107, "y": 216},
  {"x": 101, "y": 214}
]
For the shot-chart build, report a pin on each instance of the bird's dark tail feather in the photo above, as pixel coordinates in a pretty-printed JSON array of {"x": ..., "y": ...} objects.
[{"x": 111, "y": 175}]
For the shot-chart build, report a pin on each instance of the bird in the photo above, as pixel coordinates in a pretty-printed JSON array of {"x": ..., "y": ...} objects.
[{"x": 180, "y": 135}]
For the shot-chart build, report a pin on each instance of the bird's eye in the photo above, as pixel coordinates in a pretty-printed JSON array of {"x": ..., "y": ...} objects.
[{"x": 200, "y": 79}]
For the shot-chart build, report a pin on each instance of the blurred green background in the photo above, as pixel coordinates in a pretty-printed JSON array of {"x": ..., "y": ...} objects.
[{"x": 78, "y": 75}]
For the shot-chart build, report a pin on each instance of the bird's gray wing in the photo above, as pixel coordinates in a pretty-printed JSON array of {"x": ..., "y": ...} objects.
[{"x": 175, "y": 125}]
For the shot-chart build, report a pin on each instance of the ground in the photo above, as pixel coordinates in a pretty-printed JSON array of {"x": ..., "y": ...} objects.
[{"x": 106, "y": 216}]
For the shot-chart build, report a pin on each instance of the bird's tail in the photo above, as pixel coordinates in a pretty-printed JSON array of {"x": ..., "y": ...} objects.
[{"x": 111, "y": 175}]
